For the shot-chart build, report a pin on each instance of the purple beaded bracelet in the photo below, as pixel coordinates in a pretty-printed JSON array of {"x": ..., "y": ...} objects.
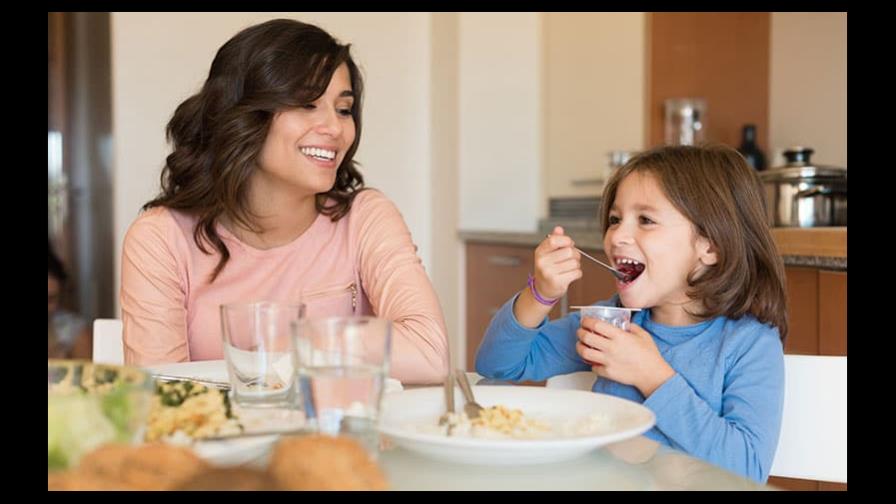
[{"x": 544, "y": 301}]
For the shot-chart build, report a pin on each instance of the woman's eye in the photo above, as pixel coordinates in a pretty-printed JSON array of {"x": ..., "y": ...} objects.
[
  {"x": 345, "y": 111},
  {"x": 646, "y": 220},
  {"x": 309, "y": 106},
  {"x": 613, "y": 220}
]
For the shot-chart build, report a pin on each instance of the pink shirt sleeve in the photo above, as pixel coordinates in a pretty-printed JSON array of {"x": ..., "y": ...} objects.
[
  {"x": 399, "y": 290},
  {"x": 153, "y": 301}
]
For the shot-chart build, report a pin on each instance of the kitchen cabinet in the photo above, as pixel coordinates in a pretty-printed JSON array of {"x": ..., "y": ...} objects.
[
  {"x": 817, "y": 312},
  {"x": 802, "y": 295},
  {"x": 832, "y": 312},
  {"x": 495, "y": 273}
]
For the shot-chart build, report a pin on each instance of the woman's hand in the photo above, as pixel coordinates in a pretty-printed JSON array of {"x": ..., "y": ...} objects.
[
  {"x": 629, "y": 357},
  {"x": 557, "y": 264}
]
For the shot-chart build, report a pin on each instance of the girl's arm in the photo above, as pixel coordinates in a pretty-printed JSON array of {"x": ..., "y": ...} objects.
[{"x": 511, "y": 351}]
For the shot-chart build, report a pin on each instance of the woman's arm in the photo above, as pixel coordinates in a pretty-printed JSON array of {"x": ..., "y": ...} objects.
[
  {"x": 399, "y": 290},
  {"x": 153, "y": 293}
]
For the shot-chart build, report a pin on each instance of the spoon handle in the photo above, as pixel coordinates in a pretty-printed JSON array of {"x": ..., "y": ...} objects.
[{"x": 613, "y": 270}]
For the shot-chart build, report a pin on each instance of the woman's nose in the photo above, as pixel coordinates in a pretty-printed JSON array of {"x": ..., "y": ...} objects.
[{"x": 329, "y": 123}]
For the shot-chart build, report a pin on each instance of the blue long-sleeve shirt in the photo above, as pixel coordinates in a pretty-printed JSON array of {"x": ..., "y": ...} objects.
[{"x": 723, "y": 404}]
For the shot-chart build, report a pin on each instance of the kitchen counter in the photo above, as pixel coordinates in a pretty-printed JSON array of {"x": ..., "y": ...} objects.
[{"x": 823, "y": 248}]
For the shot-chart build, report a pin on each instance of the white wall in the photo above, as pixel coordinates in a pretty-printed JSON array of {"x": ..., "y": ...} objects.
[
  {"x": 500, "y": 120},
  {"x": 808, "y": 85},
  {"x": 447, "y": 249},
  {"x": 594, "y": 96},
  {"x": 160, "y": 59}
]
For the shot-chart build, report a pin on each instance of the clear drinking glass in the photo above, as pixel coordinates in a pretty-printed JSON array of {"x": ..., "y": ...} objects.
[
  {"x": 258, "y": 348},
  {"x": 342, "y": 366}
]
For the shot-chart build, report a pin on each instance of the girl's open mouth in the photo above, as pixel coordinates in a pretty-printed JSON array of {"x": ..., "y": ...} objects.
[{"x": 631, "y": 268}]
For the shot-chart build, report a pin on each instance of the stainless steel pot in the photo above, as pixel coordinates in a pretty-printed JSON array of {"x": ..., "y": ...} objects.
[{"x": 802, "y": 195}]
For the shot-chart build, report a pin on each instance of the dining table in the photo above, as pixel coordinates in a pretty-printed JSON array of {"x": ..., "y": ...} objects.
[{"x": 638, "y": 463}]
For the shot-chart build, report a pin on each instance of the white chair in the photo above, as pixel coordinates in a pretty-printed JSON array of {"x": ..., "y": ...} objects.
[
  {"x": 108, "y": 346},
  {"x": 581, "y": 380},
  {"x": 813, "y": 432}
]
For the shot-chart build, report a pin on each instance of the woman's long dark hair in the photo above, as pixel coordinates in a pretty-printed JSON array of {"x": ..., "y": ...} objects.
[
  {"x": 715, "y": 189},
  {"x": 218, "y": 133}
]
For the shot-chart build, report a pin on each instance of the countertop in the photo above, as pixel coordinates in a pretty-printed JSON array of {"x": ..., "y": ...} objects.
[{"x": 823, "y": 247}]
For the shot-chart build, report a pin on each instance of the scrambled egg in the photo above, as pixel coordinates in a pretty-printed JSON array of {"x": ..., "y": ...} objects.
[{"x": 190, "y": 409}]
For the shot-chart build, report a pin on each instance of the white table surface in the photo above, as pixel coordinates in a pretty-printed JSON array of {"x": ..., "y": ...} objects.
[{"x": 636, "y": 464}]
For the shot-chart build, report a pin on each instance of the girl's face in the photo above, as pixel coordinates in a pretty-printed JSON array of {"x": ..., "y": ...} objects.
[
  {"x": 306, "y": 145},
  {"x": 646, "y": 230}
]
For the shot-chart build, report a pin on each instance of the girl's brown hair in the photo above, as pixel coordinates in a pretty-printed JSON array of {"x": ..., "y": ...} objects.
[
  {"x": 218, "y": 133},
  {"x": 722, "y": 196}
]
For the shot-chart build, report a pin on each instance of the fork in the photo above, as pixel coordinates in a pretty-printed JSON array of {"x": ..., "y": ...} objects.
[
  {"x": 471, "y": 408},
  {"x": 449, "y": 404}
]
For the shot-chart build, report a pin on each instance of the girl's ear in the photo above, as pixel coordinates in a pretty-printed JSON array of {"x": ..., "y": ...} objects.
[{"x": 706, "y": 251}]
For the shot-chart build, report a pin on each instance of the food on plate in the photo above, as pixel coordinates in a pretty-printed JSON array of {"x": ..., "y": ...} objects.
[
  {"x": 324, "y": 463},
  {"x": 501, "y": 422},
  {"x": 89, "y": 405},
  {"x": 183, "y": 410}
]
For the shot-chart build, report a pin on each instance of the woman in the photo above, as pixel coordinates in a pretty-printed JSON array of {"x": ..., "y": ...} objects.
[{"x": 262, "y": 200}]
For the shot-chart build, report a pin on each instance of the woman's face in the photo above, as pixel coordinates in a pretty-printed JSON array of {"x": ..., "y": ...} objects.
[
  {"x": 306, "y": 145},
  {"x": 646, "y": 232}
]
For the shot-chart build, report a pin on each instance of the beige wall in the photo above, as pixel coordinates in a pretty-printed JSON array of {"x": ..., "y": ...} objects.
[
  {"x": 808, "y": 85},
  {"x": 500, "y": 138},
  {"x": 447, "y": 249},
  {"x": 594, "y": 95}
]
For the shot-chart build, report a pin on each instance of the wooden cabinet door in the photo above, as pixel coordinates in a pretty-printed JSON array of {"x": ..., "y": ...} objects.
[
  {"x": 802, "y": 293},
  {"x": 832, "y": 313},
  {"x": 494, "y": 274}
]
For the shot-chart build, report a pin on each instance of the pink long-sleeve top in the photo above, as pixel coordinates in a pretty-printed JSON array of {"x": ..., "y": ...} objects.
[{"x": 362, "y": 264}]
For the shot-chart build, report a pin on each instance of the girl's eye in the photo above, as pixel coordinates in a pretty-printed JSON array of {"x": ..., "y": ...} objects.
[
  {"x": 309, "y": 106},
  {"x": 646, "y": 220},
  {"x": 613, "y": 220},
  {"x": 345, "y": 112}
]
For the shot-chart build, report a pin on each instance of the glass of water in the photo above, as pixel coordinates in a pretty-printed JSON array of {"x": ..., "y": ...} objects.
[
  {"x": 258, "y": 349},
  {"x": 342, "y": 366}
]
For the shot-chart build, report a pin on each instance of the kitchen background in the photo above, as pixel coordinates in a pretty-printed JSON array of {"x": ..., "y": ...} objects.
[
  {"x": 479, "y": 126},
  {"x": 473, "y": 121}
]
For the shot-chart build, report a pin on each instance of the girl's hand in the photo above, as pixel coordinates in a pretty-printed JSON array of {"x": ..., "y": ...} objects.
[
  {"x": 629, "y": 357},
  {"x": 557, "y": 264}
]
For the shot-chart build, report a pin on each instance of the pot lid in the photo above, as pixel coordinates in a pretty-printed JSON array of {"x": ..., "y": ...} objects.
[{"x": 799, "y": 167}]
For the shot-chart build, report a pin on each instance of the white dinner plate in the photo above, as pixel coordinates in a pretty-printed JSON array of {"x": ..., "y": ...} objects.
[{"x": 407, "y": 415}]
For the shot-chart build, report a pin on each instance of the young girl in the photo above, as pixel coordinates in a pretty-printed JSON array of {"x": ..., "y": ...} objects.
[{"x": 705, "y": 352}]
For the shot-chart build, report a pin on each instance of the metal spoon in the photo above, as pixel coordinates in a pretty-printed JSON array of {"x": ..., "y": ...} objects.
[{"x": 618, "y": 274}]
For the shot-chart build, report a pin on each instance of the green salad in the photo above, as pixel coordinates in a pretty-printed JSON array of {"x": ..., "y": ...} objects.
[{"x": 90, "y": 405}]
